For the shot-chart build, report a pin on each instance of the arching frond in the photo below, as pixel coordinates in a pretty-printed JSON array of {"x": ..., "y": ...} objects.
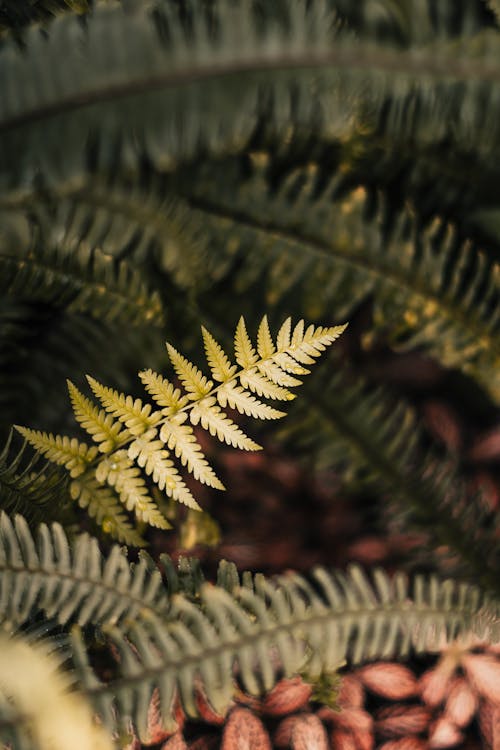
[
  {"x": 305, "y": 233},
  {"x": 38, "y": 263},
  {"x": 113, "y": 469},
  {"x": 263, "y": 629},
  {"x": 71, "y": 581},
  {"x": 376, "y": 441}
]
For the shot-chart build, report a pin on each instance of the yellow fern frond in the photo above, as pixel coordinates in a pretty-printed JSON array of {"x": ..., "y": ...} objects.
[
  {"x": 221, "y": 367},
  {"x": 148, "y": 441},
  {"x": 136, "y": 416},
  {"x": 193, "y": 380},
  {"x": 245, "y": 403},
  {"x": 180, "y": 438},
  {"x": 246, "y": 356},
  {"x": 212, "y": 418},
  {"x": 163, "y": 391},
  {"x": 62, "y": 450},
  {"x": 100, "y": 426}
]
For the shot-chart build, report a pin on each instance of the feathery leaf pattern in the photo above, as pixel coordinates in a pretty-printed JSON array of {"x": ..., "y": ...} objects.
[{"x": 139, "y": 444}]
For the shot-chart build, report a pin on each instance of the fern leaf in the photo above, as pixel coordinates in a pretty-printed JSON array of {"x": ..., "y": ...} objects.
[
  {"x": 246, "y": 356},
  {"x": 164, "y": 393},
  {"x": 266, "y": 629},
  {"x": 265, "y": 344},
  {"x": 101, "y": 426},
  {"x": 29, "y": 486},
  {"x": 193, "y": 380},
  {"x": 256, "y": 382},
  {"x": 239, "y": 399},
  {"x": 276, "y": 375},
  {"x": 213, "y": 419},
  {"x": 156, "y": 462},
  {"x": 120, "y": 473},
  {"x": 70, "y": 580},
  {"x": 65, "y": 451},
  {"x": 103, "y": 504},
  {"x": 180, "y": 438},
  {"x": 136, "y": 416},
  {"x": 284, "y": 333},
  {"x": 221, "y": 367}
]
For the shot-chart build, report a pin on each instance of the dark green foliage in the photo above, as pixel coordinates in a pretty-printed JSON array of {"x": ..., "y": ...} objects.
[
  {"x": 29, "y": 485},
  {"x": 166, "y": 163}
]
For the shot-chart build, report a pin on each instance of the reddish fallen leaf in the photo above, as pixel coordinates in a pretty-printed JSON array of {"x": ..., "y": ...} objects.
[
  {"x": 483, "y": 670},
  {"x": 208, "y": 742},
  {"x": 351, "y": 692},
  {"x": 368, "y": 550},
  {"x": 444, "y": 734},
  {"x": 176, "y": 742},
  {"x": 489, "y": 724},
  {"x": 341, "y": 739},
  {"x": 396, "y": 721},
  {"x": 404, "y": 743},
  {"x": 392, "y": 681},
  {"x": 461, "y": 704},
  {"x": 286, "y": 697},
  {"x": 486, "y": 447},
  {"x": 156, "y": 731},
  {"x": 244, "y": 731},
  {"x": 434, "y": 684},
  {"x": 444, "y": 424},
  {"x": 301, "y": 732}
]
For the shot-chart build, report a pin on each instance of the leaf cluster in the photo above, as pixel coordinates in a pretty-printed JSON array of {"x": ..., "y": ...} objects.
[{"x": 170, "y": 161}]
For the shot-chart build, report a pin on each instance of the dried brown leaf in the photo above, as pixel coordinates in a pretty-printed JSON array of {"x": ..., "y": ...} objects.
[
  {"x": 396, "y": 721},
  {"x": 404, "y": 743},
  {"x": 392, "y": 681},
  {"x": 244, "y": 731},
  {"x": 287, "y": 696},
  {"x": 175, "y": 742},
  {"x": 434, "y": 684},
  {"x": 461, "y": 704},
  {"x": 444, "y": 734},
  {"x": 351, "y": 692},
  {"x": 483, "y": 671}
]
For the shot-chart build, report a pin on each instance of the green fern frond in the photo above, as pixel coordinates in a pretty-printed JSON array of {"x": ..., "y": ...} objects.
[
  {"x": 263, "y": 629},
  {"x": 376, "y": 441},
  {"x": 429, "y": 288},
  {"x": 112, "y": 471},
  {"x": 290, "y": 61},
  {"x": 36, "y": 264},
  {"x": 28, "y": 486},
  {"x": 71, "y": 581}
]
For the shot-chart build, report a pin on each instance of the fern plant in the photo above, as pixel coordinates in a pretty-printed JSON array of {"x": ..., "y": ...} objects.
[
  {"x": 164, "y": 162},
  {"x": 131, "y": 435}
]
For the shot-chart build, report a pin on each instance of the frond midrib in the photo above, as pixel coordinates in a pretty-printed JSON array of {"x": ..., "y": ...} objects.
[
  {"x": 236, "y": 645},
  {"x": 350, "y": 56}
]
